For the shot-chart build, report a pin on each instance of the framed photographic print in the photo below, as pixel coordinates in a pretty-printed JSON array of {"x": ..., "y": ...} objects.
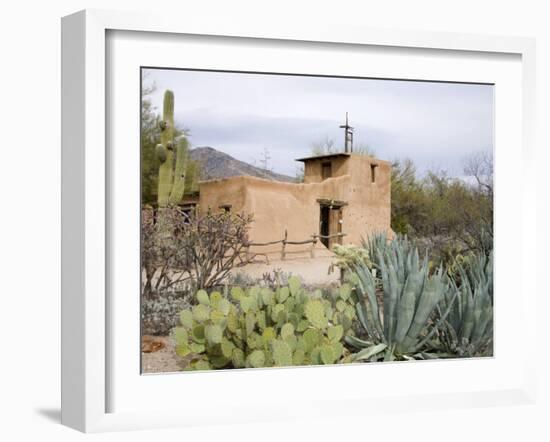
[{"x": 289, "y": 219}]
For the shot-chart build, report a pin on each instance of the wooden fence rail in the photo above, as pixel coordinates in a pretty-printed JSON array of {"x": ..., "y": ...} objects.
[{"x": 284, "y": 242}]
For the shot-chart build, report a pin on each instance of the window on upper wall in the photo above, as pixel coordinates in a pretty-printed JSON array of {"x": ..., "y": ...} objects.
[
  {"x": 373, "y": 172},
  {"x": 326, "y": 170}
]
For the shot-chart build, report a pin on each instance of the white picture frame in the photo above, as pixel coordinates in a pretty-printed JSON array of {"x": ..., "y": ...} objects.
[{"x": 86, "y": 316}]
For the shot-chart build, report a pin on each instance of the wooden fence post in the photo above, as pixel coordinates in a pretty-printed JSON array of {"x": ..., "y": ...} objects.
[
  {"x": 284, "y": 246},
  {"x": 313, "y": 245}
]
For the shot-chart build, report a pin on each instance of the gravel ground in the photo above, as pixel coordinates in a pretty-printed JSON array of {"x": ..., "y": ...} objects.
[{"x": 162, "y": 361}]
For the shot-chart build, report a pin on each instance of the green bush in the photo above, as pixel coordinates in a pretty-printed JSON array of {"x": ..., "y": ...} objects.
[
  {"x": 453, "y": 215},
  {"x": 261, "y": 327}
]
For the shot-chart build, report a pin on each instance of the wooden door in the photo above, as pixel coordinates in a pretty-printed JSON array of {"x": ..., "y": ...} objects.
[{"x": 335, "y": 226}]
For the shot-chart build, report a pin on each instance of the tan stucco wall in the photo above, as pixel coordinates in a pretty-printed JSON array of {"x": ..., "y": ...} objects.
[
  {"x": 277, "y": 206},
  {"x": 369, "y": 209},
  {"x": 313, "y": 168}
]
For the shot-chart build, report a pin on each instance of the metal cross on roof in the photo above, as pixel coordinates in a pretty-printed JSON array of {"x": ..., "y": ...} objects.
[{"x": 348, "y": 136}]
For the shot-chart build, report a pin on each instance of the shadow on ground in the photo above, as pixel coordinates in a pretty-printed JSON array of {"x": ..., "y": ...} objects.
[{"x": 51, "y": 414}]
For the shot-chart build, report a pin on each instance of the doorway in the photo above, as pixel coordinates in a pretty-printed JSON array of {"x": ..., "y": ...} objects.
[{"x": 330, "y": 225}]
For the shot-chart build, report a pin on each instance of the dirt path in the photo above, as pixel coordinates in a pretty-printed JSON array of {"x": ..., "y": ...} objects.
[
  {"x": 313, "y": 271},
  {"x": 162, "y": 361}
]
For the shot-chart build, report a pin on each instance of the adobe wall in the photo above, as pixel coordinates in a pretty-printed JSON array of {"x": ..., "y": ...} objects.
[
  {"x": 369, "y": 209},
  {"x": 276, "y": 206},
  {"x": 313, "y": 168}
]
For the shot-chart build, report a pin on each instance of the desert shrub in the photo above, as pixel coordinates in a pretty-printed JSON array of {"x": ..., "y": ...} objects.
[
  {"x": 242, "y": 279},
  {"x": 273, "y": 278},
  {"x": 159, "y": 316},
  {"x": 450, "y": 215},
  {"x": 161, "y": 261},
  {"x": 408, "y": 199},
  {"x": 261, "y": 327},
  {"x": 180, "y": 248}
]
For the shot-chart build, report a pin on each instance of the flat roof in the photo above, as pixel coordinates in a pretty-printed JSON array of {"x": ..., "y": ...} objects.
[{"x": 323, "y": 157}]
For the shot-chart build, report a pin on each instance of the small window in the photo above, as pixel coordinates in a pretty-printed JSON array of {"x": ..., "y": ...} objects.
[
  {"x": 326, "y": 170},
  {"x": 226, "y": 208},
  {"x": 373, "y": 172}
]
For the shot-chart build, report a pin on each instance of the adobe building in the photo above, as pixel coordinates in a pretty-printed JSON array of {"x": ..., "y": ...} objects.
[{"x": 344, "y": 197}]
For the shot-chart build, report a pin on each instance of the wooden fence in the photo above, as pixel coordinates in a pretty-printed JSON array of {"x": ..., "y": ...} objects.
[{"x": 284, "y": 242}]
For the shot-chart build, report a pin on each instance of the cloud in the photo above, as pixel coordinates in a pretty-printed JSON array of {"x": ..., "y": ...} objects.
[{"x": 436, "y": 125}]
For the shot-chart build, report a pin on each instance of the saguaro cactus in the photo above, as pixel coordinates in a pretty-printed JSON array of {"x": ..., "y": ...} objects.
[{"x": 172, "y": 153}]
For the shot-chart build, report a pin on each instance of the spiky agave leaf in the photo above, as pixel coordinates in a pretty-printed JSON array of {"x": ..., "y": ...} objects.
[
  {"x": 369, "y": 352},
  {"x": 468, "y": 331},
  {"x": 431, "y": 295},
  {"x": 407, "y": 306},
  {"x": 410, "y": 298},
  {"x": 367, "y": 309}
]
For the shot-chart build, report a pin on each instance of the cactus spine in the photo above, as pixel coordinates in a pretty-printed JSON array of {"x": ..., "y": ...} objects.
[{"x": 172, "y": 153}]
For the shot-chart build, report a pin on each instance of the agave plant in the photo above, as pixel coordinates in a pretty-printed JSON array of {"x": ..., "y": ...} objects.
[
  {"x": 379, "y": 243},
  {"x": 480, "y": 272},
  {"x": 403, "y": 325},
  {"x": 468, "y": 329}
]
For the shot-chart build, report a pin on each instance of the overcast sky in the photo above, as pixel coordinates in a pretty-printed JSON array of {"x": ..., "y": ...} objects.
[{"x": 436, "y": 125}]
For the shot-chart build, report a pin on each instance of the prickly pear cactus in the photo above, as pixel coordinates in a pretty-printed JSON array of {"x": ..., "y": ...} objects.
[{"x": 261, "y": 327}]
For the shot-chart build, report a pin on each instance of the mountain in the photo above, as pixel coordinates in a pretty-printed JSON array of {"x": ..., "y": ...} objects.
[{"x": 216, "y": 164}]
